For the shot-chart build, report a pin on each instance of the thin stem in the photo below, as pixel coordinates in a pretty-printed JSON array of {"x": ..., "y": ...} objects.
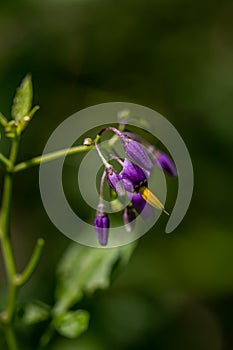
[
  {"x": 7, "y": 249},
  {"x": 8, "y": 256},
  {"x": 106, "y": 164},
  {"x": 46, "y": 336},
  {"x": 64, "y": 152},
  {"x": 4, "y": 160},
  {"x": 49, "y": 157},
  {"x": 31, "y": 266},
  {"x": 115, "y": 156},
  {"x": 102, "y": 186},
  {"x": 3, "y": 120},
  {"x": 10, "y": 338},
  {"x": 6, "y": 245},
  {"x": 110, "y": 128}
]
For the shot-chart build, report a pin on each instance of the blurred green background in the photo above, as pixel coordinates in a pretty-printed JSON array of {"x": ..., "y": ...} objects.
[{"x": 174, "y": 56}]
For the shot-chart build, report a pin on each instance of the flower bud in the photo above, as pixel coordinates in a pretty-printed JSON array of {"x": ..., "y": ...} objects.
[
  {"x": 136, "y": 152},
  {"x": 101, "y": 224},
  {"x": 115, "y": 181}
]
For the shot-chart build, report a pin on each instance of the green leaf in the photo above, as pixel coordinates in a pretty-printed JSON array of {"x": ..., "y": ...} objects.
[
  {"x": 72, "y": 323},
  {"x": 83, "y": 270},
  {"x": 34, "y": 312},
  {"x": 23, "y": 99}
]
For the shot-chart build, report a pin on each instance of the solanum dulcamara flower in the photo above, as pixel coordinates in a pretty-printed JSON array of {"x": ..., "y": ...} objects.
[{"x": 132, "y": 180}]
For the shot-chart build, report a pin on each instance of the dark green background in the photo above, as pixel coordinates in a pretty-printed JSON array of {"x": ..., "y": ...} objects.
[{"x": 174, "y": 56}]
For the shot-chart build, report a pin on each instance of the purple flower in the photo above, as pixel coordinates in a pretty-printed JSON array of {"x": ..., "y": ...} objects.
[
  {"x": 115, "y": 181},
  {"x": 133, "y": 176},
  {"x": 101, "y": 224},
  {"x": 165, "y": 163},
  {"x": 135, "y": 181},
  {"x": 137, "y": 201},
  {"x": 136, "y": 152},
  {"x": 142, "y": 207},
  {"x": 129, "y": 217}
]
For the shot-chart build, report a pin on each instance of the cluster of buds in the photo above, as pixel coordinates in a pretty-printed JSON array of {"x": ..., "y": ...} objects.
[{"x": 131, "y": 181}]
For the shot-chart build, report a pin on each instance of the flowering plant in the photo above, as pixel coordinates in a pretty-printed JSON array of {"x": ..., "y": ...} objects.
[
  {"x": 80, "y": 272},
  {"x": 131, "y": 181}
]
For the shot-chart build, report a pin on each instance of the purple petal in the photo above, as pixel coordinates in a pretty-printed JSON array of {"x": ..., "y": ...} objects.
[
  {"x": 143, "y": 208},
  {"x": 136, "y": 152},
  {"x": 115, "y": 181},
  {"x": 132, "y": 176},
  {"x": 165, "y": 163},
  {"x": 137, "y": 201},
  {"x": 101, "y": 224}
]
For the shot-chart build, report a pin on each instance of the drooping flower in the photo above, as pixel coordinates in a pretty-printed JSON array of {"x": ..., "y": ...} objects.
[
  {"x": 133, "y": 176},
  {"x": 135, "y": 181},
  {"x": 133, "y": 149},
  {"x": 162, "y": 160},
  {"x": 136, "y": 152},
  {"x": 132, "y": 180},
  {"x": 115, "y": 181},
  {"x": 142, "y": 207},
  {"x": 101, "y": 225}
]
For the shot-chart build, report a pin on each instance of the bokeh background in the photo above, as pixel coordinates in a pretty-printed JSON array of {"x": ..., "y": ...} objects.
[{"x": 174, "y": 56}]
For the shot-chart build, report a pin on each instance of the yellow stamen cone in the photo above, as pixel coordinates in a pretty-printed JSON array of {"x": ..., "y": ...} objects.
[{"x": 150, "y": 198}]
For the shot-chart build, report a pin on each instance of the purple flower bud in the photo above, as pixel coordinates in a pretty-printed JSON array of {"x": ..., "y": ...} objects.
[
  {"x": 165, "y": 163},
  {"x": 101, "y": 224},
  {"x": 129, "y": 217},
  {"x": 136, "y": 152},
  {"x": 115, "y": 181},
  {"x": 133, "y": 176}
]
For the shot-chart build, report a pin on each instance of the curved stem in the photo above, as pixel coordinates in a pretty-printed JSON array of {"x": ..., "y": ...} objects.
[
  {"x": 4, "y": 160},
  {"x": 31, "y": 266},
  {"x": 106, "y": 164},
  {"x": 102, "y": 187}
]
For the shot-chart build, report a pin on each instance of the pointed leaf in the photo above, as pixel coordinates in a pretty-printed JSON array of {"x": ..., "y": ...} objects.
[
  {"x": 83, "y": 270},
  {"x": 23, "y": 99}
]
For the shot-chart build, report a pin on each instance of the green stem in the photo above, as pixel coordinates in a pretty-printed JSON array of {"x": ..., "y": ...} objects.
[
  {"x": 10, "y": 338},
  {"x": 50, "y": 156},
  {"x": 46, "y": 337},
  {"x": 31, "y": 266},
  {"x": 58, "y": 154},
  {"x": 6, "y": 245},
  {"x": 4, "y": 160}
]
